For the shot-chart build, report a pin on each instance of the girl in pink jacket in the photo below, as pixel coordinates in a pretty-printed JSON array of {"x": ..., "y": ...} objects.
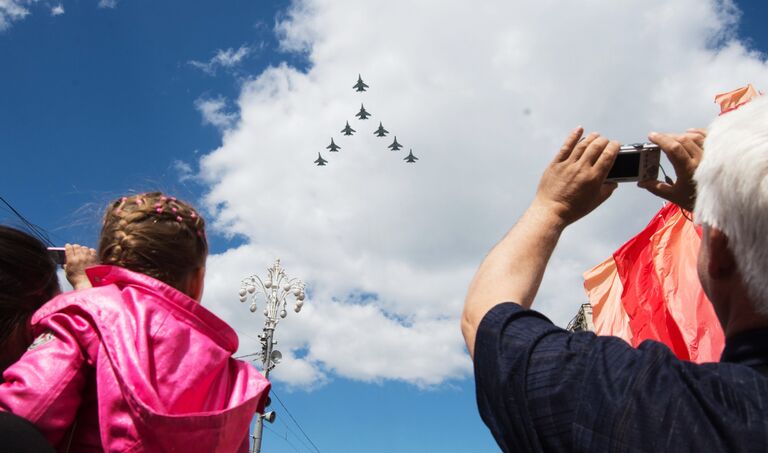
[{"x": 136, "y": 364}]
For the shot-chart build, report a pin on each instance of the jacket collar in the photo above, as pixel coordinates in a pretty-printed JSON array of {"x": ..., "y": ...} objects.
[
  {"x": 748, "y": 348},
  {"x": 104, "y": 275}
]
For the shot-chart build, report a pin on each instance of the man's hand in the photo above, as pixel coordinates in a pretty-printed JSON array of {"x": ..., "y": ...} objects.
[
  {"x": 78, "y": 259},
  {"x": 574, "y": 183},
  {"x": 572, "y": 186},
  {"x": 684, "y": 152}
]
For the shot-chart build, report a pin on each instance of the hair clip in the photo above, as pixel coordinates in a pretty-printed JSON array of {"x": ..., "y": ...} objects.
[
  {"x": 178, "y": 218},
  {"x": 174, "y": 210},
  {"x": 139, "y": 201},
  {"x": 159, "y": 210}
]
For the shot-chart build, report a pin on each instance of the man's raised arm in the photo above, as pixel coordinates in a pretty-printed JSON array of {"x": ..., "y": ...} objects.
[{"x": 572, "y": 186}]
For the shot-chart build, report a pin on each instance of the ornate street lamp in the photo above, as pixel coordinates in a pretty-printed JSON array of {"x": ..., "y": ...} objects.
[{"x": 276, "y": 288}]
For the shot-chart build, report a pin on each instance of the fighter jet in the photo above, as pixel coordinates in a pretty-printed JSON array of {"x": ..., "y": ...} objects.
[
  {"x": 410, "y": 158},
  {"x": 333, "y": 147},
  {"x": 380, "y": 132},
  {"x": 320, "y": 161},
  {"x": 362, "y": 114},
  {"x": 360, "y": 85},
  {"x": 395, "y": 146},
  {"x": 347, "y": 130}
]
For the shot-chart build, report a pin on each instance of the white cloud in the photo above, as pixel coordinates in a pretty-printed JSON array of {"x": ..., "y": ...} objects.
[
  {"x": 483, "y": 93},
  {"x": 111, "y": 4},
  {"x": 214, "y": 111},
  {"x": 183, "y": 170},
  {"x": 12, "y": 10},
  {"x": 57, "y": 10},
  {"x": 224, "y": 58}
]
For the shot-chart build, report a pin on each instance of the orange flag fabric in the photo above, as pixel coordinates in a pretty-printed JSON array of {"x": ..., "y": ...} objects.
[
  {"x": 604, "y": 290},
  {"x": 649, "y": 290},
  {"x": 736, "y": 98}
]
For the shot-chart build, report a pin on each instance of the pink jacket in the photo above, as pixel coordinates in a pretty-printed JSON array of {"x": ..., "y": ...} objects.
[{"x": 134, "y": 365}]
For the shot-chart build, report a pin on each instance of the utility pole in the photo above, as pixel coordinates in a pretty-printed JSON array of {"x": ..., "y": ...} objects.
[{"x": 275, "y": 289}]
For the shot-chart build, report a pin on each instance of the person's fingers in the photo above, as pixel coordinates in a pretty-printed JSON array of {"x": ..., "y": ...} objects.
[
  {"x": 606, "y": 159},
  {"x": 594, "y": 150},
  {"x": 570, "y": 142},
  {"x": 606, "y": 190},
  {"x": 583, "y": 145},
  {"x": 697, "y": 131},
  {"x": 659, "y": 188},
  {"x": 672, "y": 148},
  {"x": 691, "y": 146}
]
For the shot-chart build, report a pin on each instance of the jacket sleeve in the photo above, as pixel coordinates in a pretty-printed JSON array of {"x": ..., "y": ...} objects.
[{"x": 45, "y": 386}]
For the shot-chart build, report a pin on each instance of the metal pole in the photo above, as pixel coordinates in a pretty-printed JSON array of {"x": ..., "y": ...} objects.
[
  {"x": 275, "y": 290},
  {"x": 259, "y": 428}
]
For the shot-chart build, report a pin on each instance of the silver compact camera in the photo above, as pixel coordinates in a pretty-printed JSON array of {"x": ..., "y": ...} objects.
[{"x": 636, "y": 162}]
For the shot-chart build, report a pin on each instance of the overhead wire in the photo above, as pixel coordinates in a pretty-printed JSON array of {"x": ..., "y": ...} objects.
[
  {"x": 34, "y": 229},
  {"x": 294, "y": 420},
  {"x": 303, "y": 443},
  {"x": 37, "y": 231},
  {"x": 246, "y": 355},
  {"x": 285, "y": 438}
]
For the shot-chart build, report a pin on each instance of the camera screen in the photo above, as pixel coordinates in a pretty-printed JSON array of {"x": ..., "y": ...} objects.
[{"x": 627, "y": 165}]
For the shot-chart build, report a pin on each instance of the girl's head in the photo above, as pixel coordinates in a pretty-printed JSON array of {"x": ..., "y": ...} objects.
[
  {"x": 27, "y": 280},
  {"x": 156, "y": 235}
]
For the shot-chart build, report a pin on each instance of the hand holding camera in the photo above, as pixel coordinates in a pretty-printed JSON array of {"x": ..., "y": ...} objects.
[
  {"x": 684, "y": 151},
  {"x": 585, "y": 171},
  {"x": 574, "y": 183}
]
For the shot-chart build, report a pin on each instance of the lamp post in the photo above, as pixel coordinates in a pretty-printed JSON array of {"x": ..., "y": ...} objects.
[{"x": 275, "y": 289}]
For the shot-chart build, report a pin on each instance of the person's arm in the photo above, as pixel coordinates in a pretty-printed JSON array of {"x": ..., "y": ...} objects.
[
  {"x": 78, "y": 259},
  {"x": 571, "y": 187},
  {"x": 684, "y": 151},
  {"x": 46, "y": 384}
]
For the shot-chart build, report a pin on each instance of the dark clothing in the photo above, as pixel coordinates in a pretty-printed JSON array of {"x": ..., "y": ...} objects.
[
  {"x": 20, "y": 436},
  {"x": 542, "y": 388}
]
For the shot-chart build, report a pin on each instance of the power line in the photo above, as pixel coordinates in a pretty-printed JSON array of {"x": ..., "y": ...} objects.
[
  {"x": 245, "y": 334},
  {"x": 34, "y": 229},
  {"x": 303, "y": 443},
  {"x": 294, "y": 420},
  {"x": 285, "y": 438}
]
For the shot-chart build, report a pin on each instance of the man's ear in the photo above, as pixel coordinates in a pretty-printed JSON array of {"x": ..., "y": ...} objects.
[
  {"x": 721, "y": 262},
  {"x": 196, "y": 283}
]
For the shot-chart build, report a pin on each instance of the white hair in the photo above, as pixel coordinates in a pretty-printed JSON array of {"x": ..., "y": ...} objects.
[{"x": 732, "y": 191}]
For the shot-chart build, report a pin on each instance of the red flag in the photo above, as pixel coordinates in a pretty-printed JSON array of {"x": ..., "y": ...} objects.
[{"x": 655, "y": 275}]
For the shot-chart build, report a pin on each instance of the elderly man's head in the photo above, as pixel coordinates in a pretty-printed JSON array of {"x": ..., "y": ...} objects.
[{"x": 732, "y": 206}]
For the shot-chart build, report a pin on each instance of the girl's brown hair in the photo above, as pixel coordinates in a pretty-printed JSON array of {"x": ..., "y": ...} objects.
[
  {"x": 156, "y": 235},
  {"x": 27, "y": 281}
]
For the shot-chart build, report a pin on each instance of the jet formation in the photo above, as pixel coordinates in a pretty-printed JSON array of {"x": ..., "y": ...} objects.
[
  {"x": 347, "y": 130},
  {"x": 320, "y": 161},
  {"x": 410, "y": 158},
  {"x": 363, "y": 114},
  {"x": 380, "y": 132},
  {"x": 360, "y": 85},
  {"x": 333, "y": 147}
]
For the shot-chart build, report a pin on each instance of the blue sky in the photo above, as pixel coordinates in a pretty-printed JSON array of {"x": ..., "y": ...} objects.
[{"x": 100, "y": 101}]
